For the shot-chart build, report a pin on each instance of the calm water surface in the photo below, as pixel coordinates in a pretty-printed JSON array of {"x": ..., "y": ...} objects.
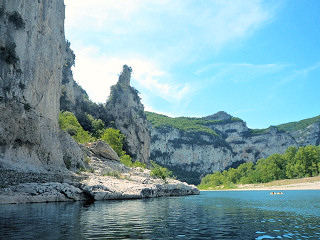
[{"x": 211, "y": 215}]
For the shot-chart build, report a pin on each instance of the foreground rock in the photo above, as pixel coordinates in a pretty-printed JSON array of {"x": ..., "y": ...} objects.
[{"x": 104, "y": 179}]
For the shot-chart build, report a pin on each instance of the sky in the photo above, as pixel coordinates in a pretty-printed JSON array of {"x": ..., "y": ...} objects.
[{"x": 256, "y": 60}]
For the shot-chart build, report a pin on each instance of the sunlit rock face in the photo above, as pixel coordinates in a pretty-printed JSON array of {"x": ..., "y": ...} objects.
[
  {"x": 32, "y": 52},
  {"x": 192, "y": 156},
  {"x": 126, "y": 112}
]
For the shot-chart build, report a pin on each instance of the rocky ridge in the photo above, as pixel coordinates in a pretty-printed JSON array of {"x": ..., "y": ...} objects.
[
  {"x": 192, "y": 155},
  {"x": 125, "y": 109}
]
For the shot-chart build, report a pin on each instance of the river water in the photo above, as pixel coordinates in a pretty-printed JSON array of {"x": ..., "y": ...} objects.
[{"x": 210, "y": 215}]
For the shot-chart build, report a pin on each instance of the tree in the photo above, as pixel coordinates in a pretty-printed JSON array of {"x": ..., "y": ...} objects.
[
  {"x": 115, "y": 139},
  {"x": 68, "y": 122}
]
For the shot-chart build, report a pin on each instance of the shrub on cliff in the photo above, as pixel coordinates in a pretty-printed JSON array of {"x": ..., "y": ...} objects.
[
  {"x": 68, "y": 122},
  {"x": 115, "y": 139}
]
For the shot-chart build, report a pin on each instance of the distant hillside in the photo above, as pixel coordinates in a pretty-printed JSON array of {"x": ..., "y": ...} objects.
[
  {"x": 193, "y": 147},
  {"x": 291, "y": 126},
  {"x": 187, "y": 124}
]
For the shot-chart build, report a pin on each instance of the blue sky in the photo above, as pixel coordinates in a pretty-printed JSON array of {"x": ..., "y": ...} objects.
[{"x": 257, "y": 60}]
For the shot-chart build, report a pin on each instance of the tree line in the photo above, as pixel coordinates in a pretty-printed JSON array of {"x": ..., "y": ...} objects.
[{"x": 294, "y": 163}]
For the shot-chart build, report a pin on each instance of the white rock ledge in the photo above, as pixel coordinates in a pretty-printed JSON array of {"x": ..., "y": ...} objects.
[
  {"x": 124, "y": 183},
  {"x": 94, "y": 189}
]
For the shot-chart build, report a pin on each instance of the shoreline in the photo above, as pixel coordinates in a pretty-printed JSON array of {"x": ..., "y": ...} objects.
[{"x": 311, "y": 183}]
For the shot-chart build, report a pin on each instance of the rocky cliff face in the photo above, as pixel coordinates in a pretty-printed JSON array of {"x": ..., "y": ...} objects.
[
  {"x": 193, "y": 154},
  {"x": 32, "y": 50},
  {"x": 35, "y": 155},
  {"x": 126, "y": 112}
]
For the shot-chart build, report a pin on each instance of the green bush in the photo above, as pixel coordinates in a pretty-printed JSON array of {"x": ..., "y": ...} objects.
[
  {"x": 68, "y": 122},
  {"x": 127, "y": 160},
  {"x": 115, "y": 139},
  {"x": 111, "y": 173},
  {"x": 160, "y": 172}
]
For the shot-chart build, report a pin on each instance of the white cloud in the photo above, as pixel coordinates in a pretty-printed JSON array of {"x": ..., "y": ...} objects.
[
  {"x": 174, "y": 22},
  {"x": 236, "y": 19},
  {"x": 96, "y": 73},
  {"x": 154, "y": 37}
]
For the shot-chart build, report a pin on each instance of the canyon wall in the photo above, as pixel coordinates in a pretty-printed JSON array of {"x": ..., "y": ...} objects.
[
  {"x": 32, "y": 54},
  {"x": 194, "y": 154}
]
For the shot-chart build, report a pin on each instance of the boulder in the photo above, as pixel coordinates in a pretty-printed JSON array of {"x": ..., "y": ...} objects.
[{"x": 102, "y": 149}]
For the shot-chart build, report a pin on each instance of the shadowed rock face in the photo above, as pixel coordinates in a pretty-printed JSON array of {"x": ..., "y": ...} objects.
[
  {"x": 32, "y": 48},
  {"x": 126, "y": 110}
]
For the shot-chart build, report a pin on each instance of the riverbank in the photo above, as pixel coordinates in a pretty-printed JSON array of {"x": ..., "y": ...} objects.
[
  {"x": 310, "y": 183},
  {"x": 104, "y": 179}
]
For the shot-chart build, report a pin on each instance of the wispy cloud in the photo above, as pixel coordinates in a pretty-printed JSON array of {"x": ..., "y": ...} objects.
[
  {"x": 172, "y": 26},
  {"x": 154, "y": 37},
  {"x": 299, "y": 74},
  {"x": 239, "y": 72}
]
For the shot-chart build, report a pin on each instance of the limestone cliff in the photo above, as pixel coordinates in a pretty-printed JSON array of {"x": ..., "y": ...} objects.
[
  {"x": 35, "y": 155},
  {"x": 127, "y": 112},
  {"x": 123, "y": 109},
  {"x": 192, "y": 154},
  {"x": 32, "y": 48}
]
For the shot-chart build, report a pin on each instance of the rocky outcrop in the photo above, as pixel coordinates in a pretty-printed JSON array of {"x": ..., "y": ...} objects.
[
  {"x": 32, "y": 49},
  {"x": 192, "y": 155},
  {"x": 105, "y": 179},
  {"x": 125, "y": 109},
  {"x": 102, "y": 149}
]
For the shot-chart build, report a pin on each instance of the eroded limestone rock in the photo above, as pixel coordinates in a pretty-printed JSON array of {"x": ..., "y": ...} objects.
[
  {"x": 102, "y": 149},
  {"x": 32, "y": 50},
  {"x": 126, "y": 110}
]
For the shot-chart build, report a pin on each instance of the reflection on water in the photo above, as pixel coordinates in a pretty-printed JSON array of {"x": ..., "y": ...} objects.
[{"x": 211, "y": 215}]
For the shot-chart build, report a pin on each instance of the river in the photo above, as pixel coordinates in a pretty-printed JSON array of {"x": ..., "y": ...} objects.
[{"x": 210, "y": 215}]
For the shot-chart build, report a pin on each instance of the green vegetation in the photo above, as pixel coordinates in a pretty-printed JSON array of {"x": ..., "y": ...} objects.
[
  {"x": 160, "y": 172},
  {"x": 111, "y": 173},
  {"x": 115, "y": 139},
  {"x": 187, "y": 124},
  {"x": 292, "y": 126},
  {"x": 294, "y": 163},
  {"x": 181, "y": 123},
  {"x": 68, "y": 122}
]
